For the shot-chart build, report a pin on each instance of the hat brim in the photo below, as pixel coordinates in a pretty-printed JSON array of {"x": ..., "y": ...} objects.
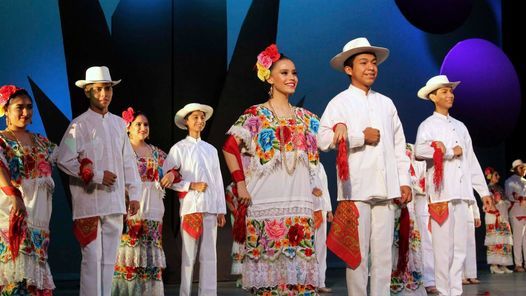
[
  {"x": 513, "y": 168},
  {"x": 381, "y": 54},
  {"x": 83, "y": 83},
  {"x": 424, "y": 92},
  {"x": 181, "y": 114}
]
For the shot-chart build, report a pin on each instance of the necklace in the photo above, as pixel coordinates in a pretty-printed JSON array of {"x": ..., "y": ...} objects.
[
  {"x": 283, "y": 153},
  {"x": 18, "y": 141}
]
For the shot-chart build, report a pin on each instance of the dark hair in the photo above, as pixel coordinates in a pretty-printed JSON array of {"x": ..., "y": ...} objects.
[
  {"x": 349, "y": 61},
  {"x": 137, "y": 113},
  {"x": 190, "y": 113},
  {"x": 282, "y": 57}
]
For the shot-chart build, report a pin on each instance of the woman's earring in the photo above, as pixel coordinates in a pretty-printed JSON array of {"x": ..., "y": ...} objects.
[{"x": 271, "y": 91}]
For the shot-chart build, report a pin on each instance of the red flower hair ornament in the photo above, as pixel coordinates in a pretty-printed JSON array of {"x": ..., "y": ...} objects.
[
  {"x": 265, "y": 60},
  {"x": 6, "y": 92},
  {"x": 128, "y": 115}
]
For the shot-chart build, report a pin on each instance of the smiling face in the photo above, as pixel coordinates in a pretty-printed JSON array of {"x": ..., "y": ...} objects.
[
  {"x": 139, "y": 128},
  {"x": 443, "y": 99},
  {"x": 19, "y": 111},
  {"x": 195, "y": 122},
  {"x": 283, "y": 77},
  {"x": 364, "y": 70},
  {"x": 99, "y": 95}
]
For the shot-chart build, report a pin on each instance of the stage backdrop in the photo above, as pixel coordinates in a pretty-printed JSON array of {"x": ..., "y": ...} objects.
[{"x": 172, "y": 52}]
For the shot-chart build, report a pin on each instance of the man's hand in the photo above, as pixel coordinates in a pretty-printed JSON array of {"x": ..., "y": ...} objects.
[
  {"x": 167, "y": 180},
  {"x": 317, "y": 192},
  {"x": 405, "y": 194},
  {"x": 221, "y": 221},
  {"x": 109, "y": 178},
  {"x": 198, "y": 186},
  {"x": 340, "y": 132},
  {"x": 371, "y": 136},
  {"x": 457, "y": 151},
  {"x": 441, "y": 146},
  {"x": 133, "y": 207},
  {"x": 330, "y": 217},
  {"x": 477, "y": 223}
]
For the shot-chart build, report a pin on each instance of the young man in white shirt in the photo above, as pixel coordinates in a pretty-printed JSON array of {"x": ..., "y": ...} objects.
[
  {"x": 202, "y": 198},
  {"x": 96, "y": 152},
  {"x": 453, "y": 172},
  {"x": 369, "y": 125},
  {"x": 515, "y": 189}
]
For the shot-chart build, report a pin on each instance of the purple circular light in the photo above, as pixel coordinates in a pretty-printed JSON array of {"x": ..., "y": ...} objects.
[
  {"x": 435, "y": 16},
  {"x": 488, "y": 99}
]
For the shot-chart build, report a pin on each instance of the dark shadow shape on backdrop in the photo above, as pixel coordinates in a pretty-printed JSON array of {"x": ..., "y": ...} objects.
[
  {"x": 86, "y": 43},
  {"x": 436, "y": 16},
  {"x": 480, "y": 24}
]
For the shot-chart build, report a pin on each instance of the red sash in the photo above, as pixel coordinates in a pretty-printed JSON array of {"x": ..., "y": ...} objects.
[
  {"x": 193, "y": 224},
  {"x": 343, "y": 239},
  {"x": 439, "y": 211},
  {"x": 85, "y": 230}
]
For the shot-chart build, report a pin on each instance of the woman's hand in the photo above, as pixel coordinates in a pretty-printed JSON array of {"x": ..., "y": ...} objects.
[
  {"x": 167, "y": 180},
  {"x": 18, "y": 205},
  {"x": 242, "y": 193},
  {"x": 317, "y": 192}
]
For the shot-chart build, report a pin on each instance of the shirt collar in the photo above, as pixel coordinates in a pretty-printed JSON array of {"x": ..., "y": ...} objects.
[
  {"x": 441, "y": 116},
  {"x": 97, "y": 115},
  {"x": 193, "y": 140},
  {"x": 353, "y": 88}
]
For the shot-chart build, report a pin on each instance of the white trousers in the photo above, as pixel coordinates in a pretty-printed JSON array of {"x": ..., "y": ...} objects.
[
  {"x": 470, "y": 265},
  {"x": 449, "y": 246},
  {"x": 376, "y": 224},
  {"x": 519, "y": 240},
  {"x": 320, "y": 246},
  {"x": 422, "y": 220},
  {"x": 99, "y": 257},
  {"x": 207, "y": 259}
]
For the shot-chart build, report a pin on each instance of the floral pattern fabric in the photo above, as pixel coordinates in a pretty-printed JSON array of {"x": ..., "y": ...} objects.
[
  {"x": 499, "y": 239},
  {"x": 30, "y": 169},
  {"x": 409, "y": 281},
  {"x": 140, "y": 258},
  {"x": 263, "y": 134}
]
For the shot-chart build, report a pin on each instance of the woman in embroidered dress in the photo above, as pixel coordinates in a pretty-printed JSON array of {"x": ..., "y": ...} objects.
[
  {"x": 499, "y": 239},
  {"x": 406, "y": 278},
  {"x": 25, "y": 205},
  {"x": 278, "y": 190},
  {"x": 140, "y": 258}
]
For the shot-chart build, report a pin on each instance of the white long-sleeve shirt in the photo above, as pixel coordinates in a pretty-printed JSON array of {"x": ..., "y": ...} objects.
[
  {"x": 197, "y": 161},
  {"x": 376, "y": 172},
  {"x": 461, "y": 174},
  {"x": 515, "y": 184},
  {"x": 103, "y": 140}
]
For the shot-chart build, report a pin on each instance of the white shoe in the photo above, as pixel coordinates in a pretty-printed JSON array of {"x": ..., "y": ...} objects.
[
  {"x": 495, "y": 269},
  {"x": 505, "y": 269}
]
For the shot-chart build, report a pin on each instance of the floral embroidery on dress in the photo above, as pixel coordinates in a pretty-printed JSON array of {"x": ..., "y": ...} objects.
[
  {"x": 151, "y": 168},
  {"x": 149, "y": 234},
  {"x": 28, "y": 162},
  {"x": 261, "y": 132},
  {"x": 131, "y": 273},
  {"x": 35, "y": 244},
  {"x": 270, "y": 238}
]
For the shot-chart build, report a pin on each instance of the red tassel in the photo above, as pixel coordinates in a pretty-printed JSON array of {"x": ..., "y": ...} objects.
[
  {"x": 342, "y": 161},
  {"x": 17, "y": 232},
  {"x": 438, "y": 160},
  {"x": 403, "y": 240},
  {"x": 86, "y": 173},
  {"x": 239, "y": 229}
]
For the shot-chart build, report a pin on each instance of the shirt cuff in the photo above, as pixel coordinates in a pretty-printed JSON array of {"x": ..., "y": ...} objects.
[{"x": 97, "y": 177}]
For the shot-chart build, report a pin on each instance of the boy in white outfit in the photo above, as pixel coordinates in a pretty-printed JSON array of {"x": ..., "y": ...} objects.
[{"x": 202, "y": 198}]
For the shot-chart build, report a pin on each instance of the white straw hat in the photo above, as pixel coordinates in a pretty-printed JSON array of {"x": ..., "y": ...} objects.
[
  {"x": 356, "y": 46},
  {"x": 189, "y": 108},
  {"x": 97, "y": 74},
  {"x": 435, "y": 83}
]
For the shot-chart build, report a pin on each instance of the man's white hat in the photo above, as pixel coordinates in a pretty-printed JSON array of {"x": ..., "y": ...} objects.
[
  {"x": 516, "y": 163},
  {"x": 97, "y": 74},
  {"x": 435, "y": 83},
  {"x": 189, "y": 108},
  {"x": 356, "y": 46}
]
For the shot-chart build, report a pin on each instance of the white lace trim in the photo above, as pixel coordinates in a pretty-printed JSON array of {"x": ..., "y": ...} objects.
[
  {"x": 253, "y": 213},
  {"x": 500, "y": 259},
  {"x": 29, "y": 268},
  {"x": 141, "y": 256},
  {"x": 261, "y": 274},
  {"x": 137, "y": 287}
]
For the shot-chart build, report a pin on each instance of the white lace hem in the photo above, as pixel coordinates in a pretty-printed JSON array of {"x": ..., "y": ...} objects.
[
  {"x": 29, "y": 268},
  {"x": 137, "y": 287},
  {"x": 141, "y": 256}
]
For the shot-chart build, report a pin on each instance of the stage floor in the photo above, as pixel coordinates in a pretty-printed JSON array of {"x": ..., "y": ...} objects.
[{"x": 490, "y": 285}]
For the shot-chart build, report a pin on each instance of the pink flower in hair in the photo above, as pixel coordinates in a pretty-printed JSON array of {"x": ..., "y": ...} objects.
[{"x": 128, "y": 115}]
